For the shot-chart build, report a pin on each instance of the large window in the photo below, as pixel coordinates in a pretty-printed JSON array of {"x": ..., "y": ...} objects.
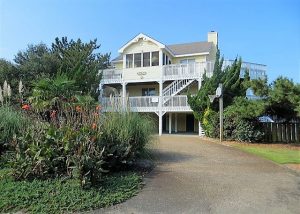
[
  {"x": 148, "y": 92},
  {"x": 137, "y": 60},
  {"x": 155, "y": 58},
  {"x": 146, "y": 59},
  {"x": 187, "y": 61},
  {"x": 129, "y": 60}
]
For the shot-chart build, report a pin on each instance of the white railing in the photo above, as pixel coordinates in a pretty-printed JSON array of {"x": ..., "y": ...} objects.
[
  {"x": 176, "y": 86},
  {"x": 185, "y": 71},
  {"x": 255, "y": 70},
  {"x": 111, "y": 103},
  {"x": 112, "y": 76},
  {"x": 146, "y": 103},
  {"x": 176, "y": 103}
]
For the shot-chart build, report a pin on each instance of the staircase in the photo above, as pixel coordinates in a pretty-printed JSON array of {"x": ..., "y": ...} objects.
[{"x": 175, "y": 87}]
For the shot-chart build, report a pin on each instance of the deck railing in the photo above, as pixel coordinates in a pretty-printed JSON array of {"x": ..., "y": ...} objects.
[
  {"x": 146, "y": 103},
  {"x": 186, "y": 71},
  {"x": 112, "y": 76}
]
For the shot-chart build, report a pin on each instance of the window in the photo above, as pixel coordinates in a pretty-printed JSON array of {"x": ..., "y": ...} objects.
[
  {"x": 148, "y": 92},
  {"x": 164, "y": 59},
  {"x": 187, "y": 61},
  {"x": 146, "y": 59},
  {"x": 129, "y": 60},
  {"x": 155, "y": 58},
  {"x": 137, "y": 60}
]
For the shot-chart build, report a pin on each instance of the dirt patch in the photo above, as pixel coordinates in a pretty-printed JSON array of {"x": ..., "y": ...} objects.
[
  {"x": 295, "y": 167},
  {"x": 293, "y": 146}
]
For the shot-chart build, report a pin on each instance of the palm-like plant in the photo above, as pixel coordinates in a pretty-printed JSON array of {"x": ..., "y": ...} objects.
[{"x": 51, "y": 93}]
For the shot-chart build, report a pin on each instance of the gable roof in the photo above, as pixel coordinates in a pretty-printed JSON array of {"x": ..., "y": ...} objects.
[
  {"x": 136, "y": 39},
  {"x": 191, "y": 48}
]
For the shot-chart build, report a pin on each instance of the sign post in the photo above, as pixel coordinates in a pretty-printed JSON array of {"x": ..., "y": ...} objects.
[{"x": 219, "y": 95}]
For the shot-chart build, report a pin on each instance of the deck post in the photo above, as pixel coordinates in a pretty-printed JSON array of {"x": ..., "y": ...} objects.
[
  {"x": 175, "y": 122},
  {"x": 170, "y": 123},
  {"x": 160, "y": 108}
]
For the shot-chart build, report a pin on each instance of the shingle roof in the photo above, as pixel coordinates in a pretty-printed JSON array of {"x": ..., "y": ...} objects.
[
  {"x": 118, "y": 58},
  {"x": 190, "y": 48},
  {"x": 182, "y": 49}
]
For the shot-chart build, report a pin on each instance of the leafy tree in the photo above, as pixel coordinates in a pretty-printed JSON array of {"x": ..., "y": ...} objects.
[
  {"x": 9, "y": 72},
  {"x": 283, "y": 98},
  {"x": 233, "y": 86},
  {"x": 80, "y": 62},
  {"x": 36, "y": 62}
]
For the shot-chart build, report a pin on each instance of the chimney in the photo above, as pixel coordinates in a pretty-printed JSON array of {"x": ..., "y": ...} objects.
[{"x": 212, "y": 36}]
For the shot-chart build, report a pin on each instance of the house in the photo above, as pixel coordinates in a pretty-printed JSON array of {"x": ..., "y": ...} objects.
[{"x": 151, "y": 77}]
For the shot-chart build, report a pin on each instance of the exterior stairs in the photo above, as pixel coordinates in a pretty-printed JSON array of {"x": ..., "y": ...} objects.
[{"x": 175, "y": 87}]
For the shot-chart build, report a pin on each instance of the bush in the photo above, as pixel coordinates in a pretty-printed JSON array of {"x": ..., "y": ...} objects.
[
  {"x": 125, "y": 135},
  {"x": 69, "y": 148},
  {"x": 248, "y": 131},
  {"x": 211, "y": 123},
  {"x": 10, "y": 125}
]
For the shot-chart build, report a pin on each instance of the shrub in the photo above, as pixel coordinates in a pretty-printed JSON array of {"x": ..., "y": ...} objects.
[
  {"x": 211, "y": 123},
  {"x": 61, "y": 148},
  {"x": 10, "y": 125},
  {"x": 248, "y": 131},
  {"x": 125, "y": 135}
]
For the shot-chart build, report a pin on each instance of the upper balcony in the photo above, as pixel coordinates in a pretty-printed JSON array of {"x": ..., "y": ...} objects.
[{"x": 157, "y": 73}]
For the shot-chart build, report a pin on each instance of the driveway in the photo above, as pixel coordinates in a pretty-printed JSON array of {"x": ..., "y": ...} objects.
[{"x": 197, "y": 176}]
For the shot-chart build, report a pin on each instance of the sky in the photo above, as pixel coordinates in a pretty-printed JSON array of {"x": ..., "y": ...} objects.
[{"x": 260, "y": 31}]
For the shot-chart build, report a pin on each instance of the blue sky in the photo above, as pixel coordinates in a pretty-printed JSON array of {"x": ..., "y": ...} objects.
[{"x": 261, "y": 31}]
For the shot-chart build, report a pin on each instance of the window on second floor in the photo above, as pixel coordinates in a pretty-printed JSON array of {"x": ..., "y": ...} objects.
[
  {"x": 129, "y": 60},
  {"x": 148, "y": 92},
  {"x": 146, "y": 59},
  {"x": 187, "y": 61},
  {"x": 155, "y": 58},
  {"x": 137, "y": 60}
]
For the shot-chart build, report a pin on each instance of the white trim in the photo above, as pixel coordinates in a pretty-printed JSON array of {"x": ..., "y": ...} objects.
[
  {"x": 136, "y": 39},
  {"x": 194, "y": 54}
]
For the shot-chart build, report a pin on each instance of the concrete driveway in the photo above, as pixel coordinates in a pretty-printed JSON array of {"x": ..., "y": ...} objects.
[{"x": 197, "y": 176}]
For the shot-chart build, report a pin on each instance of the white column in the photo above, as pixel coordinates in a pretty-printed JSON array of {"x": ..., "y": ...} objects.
[
  {"x": 175, "y": 122},
  {"x": 170, "y": 123},
  {"x": 160, "y": 108},
  {"x": 160, "y": 58}
]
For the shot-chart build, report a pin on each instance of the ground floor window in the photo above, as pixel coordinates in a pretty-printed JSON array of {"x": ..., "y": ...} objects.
[{"x": 148, "y": 92}]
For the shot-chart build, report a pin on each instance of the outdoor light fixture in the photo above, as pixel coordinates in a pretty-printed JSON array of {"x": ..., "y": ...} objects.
[{"x": 219, "y": 95}]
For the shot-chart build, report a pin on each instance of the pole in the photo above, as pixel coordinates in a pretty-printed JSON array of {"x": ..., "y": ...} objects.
[{"x": 221, "y": 113}]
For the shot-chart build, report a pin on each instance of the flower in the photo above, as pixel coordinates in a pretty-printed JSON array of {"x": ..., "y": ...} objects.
[
  {"x": 53, "y": 114},
  {"x": 78, "y": 108},
  {"x": 94, "y": 126},
  {"x": 26, "y": 107},
  {"x": 98, "y": 107},
  {"x": 96, "y": 114},
  {"x": 1, "y": 96}
]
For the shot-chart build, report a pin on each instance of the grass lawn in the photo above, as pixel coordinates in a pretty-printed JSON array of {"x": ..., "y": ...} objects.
[
  {"x": 64, "y": 196},
  {"x": 278, "y": 155}
]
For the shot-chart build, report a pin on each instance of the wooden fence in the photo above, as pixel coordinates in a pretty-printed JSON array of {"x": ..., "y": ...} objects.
[{"x": 282, "y": 132}]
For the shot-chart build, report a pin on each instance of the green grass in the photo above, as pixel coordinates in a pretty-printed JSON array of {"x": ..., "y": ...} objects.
[
  {"x": 278, "y": 155},
  {"x": 61, "y": 196}
]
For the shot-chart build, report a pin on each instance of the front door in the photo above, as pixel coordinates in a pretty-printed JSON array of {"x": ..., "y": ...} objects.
[{"x": 190, "y": 123}]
